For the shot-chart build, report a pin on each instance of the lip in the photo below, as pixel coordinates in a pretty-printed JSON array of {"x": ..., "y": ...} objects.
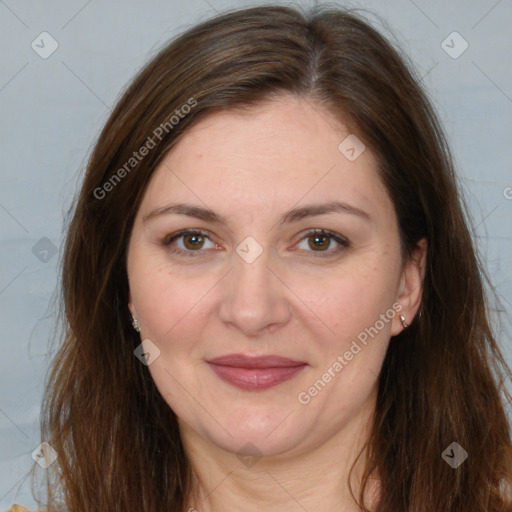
[{"x": 255, "y": 373}]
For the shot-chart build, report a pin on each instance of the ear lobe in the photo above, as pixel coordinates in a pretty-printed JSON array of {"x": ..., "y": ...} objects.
[{"x": 410, "y": 289}]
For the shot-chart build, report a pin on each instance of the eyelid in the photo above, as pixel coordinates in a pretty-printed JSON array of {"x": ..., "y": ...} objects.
[
  {"x": 343, "y": 242},
  {"x": 191, "y": 231}
]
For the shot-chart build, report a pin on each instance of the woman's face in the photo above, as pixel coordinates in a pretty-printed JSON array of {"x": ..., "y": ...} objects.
[{"x": 257, "y": 283}]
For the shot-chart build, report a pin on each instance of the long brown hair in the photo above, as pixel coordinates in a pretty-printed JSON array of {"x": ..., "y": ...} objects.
[{"x": 443, "y": 378}]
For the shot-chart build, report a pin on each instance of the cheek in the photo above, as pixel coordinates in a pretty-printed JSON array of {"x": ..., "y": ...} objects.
[
  {"x": 351, "y": 350},
  {"x": 346, "y": 302},
  {"x": 168, "y": 305}
]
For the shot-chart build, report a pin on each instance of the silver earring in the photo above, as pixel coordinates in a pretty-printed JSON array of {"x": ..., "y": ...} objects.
[
  {"x": 402, "y": 319},
  {"x": 135, "y": 324}
]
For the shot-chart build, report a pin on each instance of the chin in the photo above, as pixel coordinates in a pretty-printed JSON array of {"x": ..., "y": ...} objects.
[{"x": 271, "y": 430}]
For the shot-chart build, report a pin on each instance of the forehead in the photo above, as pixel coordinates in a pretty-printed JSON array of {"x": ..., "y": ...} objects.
[{"x": 273, "y": 156}]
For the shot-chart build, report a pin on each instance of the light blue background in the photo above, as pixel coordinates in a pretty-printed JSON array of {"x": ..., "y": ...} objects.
[{"x": 52, "y": 110}]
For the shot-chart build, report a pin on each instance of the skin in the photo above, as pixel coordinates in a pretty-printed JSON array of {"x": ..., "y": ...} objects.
[{"x": 293, "y": 300}]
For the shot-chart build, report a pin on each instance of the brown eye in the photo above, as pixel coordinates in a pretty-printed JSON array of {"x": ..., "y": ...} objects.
[
  {"x": 188, "y": 242},
  {"x": 319, "y": 241}
]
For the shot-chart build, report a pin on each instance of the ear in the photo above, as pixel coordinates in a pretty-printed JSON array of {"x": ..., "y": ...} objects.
[
  {"x": 410, "y": 289},
  {"x": 131, "y": 307}
]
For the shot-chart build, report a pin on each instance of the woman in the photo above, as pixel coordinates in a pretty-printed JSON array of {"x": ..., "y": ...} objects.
[{"x": 272, "y": 298}]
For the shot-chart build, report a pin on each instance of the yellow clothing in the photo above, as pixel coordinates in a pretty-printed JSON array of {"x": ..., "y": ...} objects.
[{"x": 18, "y": 508}]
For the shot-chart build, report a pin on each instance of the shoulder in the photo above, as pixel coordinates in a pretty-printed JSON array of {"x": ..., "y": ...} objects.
[{"x": 18, "y": 508}]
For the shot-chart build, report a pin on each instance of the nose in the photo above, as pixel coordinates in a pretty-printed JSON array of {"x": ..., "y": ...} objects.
[{"x": 255, "y": 297}]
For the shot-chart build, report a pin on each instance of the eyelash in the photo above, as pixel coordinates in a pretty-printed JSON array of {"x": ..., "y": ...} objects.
[{"x": 343, "y": 242}]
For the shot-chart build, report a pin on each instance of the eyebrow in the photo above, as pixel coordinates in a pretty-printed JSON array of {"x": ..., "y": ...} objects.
[{"x": 288, "y": 217}]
